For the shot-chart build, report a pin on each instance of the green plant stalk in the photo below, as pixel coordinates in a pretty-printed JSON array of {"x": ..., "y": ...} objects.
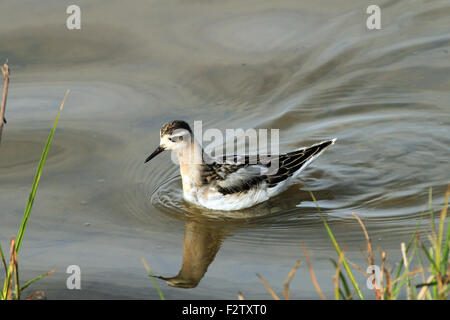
[
  {"x": 435, "y": 272},
  {"x": 399, "y": 270},
  {"x": 445, "y": 292},
  {"x": 337, "y": 291},
  {"x": 440, "y": 254},
  {"x": 442, "y": 222},
  {"x": 161, "y": 296},
  {"x": 344, "y": 261},
  {"x": 419, "y": 259},
  {"x": 37, "y": 177},
  {"x": 338, "y": 249},
  {"x": 32, "y": 195},
  {"x": 443, "y": 263},
  {"x": 430, "y": 255},
  {"x": 434, "y": 237},
  {"x": 16, "y": 282},
  {"x": 28, "y": 283},
  {"x": 3, "y": 259},
  {"x": 430, "y": 203},
  {"x": 446, "y": 250},
  {"x": 344, "y": 281},
  {"x": 411, "y": 290},
  {"x": 430, "y": 258}
]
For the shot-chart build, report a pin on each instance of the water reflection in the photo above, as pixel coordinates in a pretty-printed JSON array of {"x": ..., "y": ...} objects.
[
  {"x": 205, "y": 230},
  {"x": 202, "y": 241},
  {"x": 311, "y": 70}
]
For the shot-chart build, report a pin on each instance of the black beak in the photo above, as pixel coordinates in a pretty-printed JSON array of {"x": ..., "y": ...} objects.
[{"x": 154, "y": 154}]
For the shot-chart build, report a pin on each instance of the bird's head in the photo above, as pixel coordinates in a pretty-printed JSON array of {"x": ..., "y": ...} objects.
[{"x": 174, "y": 135}]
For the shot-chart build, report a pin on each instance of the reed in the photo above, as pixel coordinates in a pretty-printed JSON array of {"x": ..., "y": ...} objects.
[
  {"x": 434, "y": 270},
  {"x": 338, "y": 250},
  {"x": 286, "y": 284},
  {"x": 435, "y": 276},
  {"x": 11, "y": 269}
]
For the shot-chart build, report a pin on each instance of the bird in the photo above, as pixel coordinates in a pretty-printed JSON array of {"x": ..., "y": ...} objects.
[{"x": 233, "y": 182}]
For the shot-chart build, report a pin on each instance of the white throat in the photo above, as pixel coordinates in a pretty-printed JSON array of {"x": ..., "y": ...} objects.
[
  {"x": 190, "y": 153},
  {"x": 191, "y": 160}
]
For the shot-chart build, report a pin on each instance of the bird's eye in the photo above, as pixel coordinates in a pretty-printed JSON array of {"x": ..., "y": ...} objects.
[{"x": 176, "y": 138}]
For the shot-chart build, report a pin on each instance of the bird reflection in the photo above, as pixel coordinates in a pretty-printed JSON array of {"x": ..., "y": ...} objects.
[
  {"x": 205, "y": 231},
  {"x": 201, "y": 243}
]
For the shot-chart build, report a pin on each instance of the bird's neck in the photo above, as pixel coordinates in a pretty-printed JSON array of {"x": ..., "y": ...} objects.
[{"x": 191, "y": 161}]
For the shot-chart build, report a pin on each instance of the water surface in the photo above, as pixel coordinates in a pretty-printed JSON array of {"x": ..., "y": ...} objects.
[{"x": 310, "y": 69}]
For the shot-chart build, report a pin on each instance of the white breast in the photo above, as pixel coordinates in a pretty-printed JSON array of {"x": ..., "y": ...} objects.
[{"x": 212, "y": 199}]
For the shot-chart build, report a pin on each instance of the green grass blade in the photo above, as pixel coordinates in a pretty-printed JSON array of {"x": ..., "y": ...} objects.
[
  {"x": 442, "y": 220},
  {"x": 343, "y": 296},
  {"x": 419, "y": 259},
  {"x": 28, "y": 283},
  {"x": 5, "y": 266},
  {"x": 408, "y": 246},
  {"x": 444, "y": 261},
  {"x": 430, "y": 203},
  {"x": 161, "y": 296},
  {"x": 433, "y": 237},
  {"x": 343, "y": 281},
  {"x": 446, "y": 250},
  {"x": 429, "y": 257},
  {"x": 337, "y": 248},
  {"x": 37, "y": 177},
  {"x": 398, "y": 285},
  {"x": 411, "y": 290},
  {"x": 445, "y": 292},
  {"x": 16, "y": 281},
  {"x": 32, "y": 195}
]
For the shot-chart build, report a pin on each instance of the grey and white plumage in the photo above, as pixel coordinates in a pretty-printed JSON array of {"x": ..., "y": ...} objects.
[{"x": 236, "y": 183}]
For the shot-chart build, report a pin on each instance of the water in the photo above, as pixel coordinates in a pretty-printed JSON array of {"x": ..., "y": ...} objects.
[{"x": 312, "y": 70}]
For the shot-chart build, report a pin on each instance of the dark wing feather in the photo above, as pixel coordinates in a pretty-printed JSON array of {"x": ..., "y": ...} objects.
[
  {"x": 291, "y": 162},
  {"x": 227, "y": 178},
  {"x": 243, "y": 173}
]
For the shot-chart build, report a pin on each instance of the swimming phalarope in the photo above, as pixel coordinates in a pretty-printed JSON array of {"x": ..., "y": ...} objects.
[{"x": 231, "y": 185}]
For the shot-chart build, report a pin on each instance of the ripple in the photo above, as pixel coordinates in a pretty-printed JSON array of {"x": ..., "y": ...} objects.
[
  {"x": 18, "y": 152},
  {"x": 261, "y": 32},
  {"x": 282, "y": 210},
  {"x": 52, "y": 46}
]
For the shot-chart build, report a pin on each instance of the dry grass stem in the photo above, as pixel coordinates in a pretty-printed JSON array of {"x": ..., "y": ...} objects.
[
  {"x": 370, "y": 256},
  {"x": 288, "y": 279},
  {"x": 6, "y": 73},
  {"x": 272, "y": 293},
  {"x": 424, "y": 290},
  {"x": 313, "y": 276}
]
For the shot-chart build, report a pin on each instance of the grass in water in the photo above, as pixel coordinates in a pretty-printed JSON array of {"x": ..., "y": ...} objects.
[
  {"x": 12, "y": 269},
  {"x": 161, "y": 296},
  {"x": 338, "y": 249},
  {"x": 286, "y": 284},
  {"x": 434, "y": 270}
]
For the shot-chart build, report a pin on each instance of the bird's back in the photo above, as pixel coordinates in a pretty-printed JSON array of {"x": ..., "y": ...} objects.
[{"x": 244, "y": 181}]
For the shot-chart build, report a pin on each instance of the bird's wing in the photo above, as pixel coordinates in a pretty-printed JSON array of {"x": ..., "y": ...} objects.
[
  {"x": 292, "y": 163},
  {"x": 233, "y": 177},
  {"x": 242, "y": 173}
]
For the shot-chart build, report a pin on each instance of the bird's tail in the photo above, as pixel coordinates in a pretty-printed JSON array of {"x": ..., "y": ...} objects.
[{"x": 312, "y": 153}]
